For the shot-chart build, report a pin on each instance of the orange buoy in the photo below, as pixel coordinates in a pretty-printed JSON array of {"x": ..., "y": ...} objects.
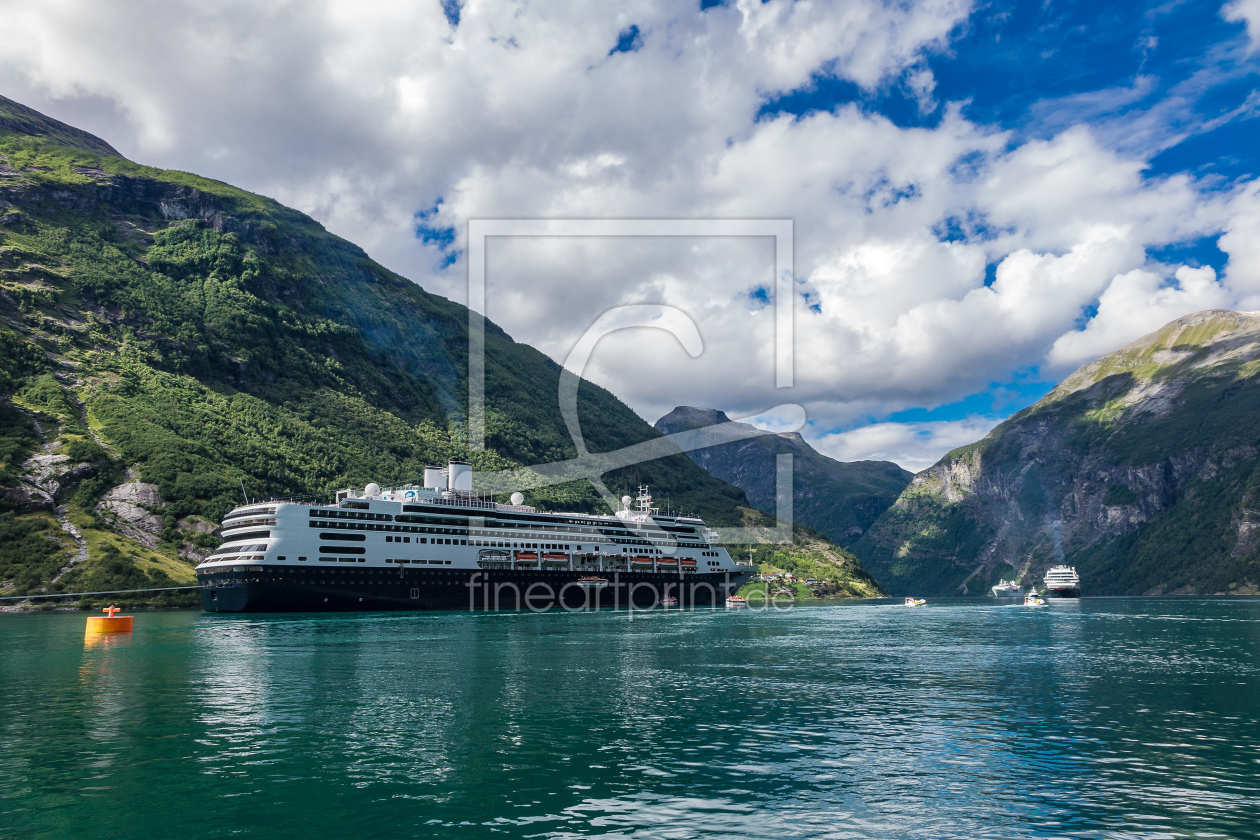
[{"x": 110, "y": 623}]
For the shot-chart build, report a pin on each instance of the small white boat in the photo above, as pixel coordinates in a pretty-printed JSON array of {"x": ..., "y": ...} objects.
[
  {"x": 669, "y": 601},
  {"x": 591, "y": 582},
  {"x": 1006, "y": 589},
  {"x": 1033, "y": 600},
  {"x": 737, "y": 601},
  {"x": 915, "y": 602}
]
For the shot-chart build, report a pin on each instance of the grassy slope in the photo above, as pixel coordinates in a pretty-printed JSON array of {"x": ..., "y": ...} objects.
[
  {"x": 809, "y": 555},
  {"x": 205, "y": 337}
]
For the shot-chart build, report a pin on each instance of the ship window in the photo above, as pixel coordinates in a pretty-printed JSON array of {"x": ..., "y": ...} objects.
[
  {"x": 301, "y": 559},
  {"x": 406, "y": 539},
  {"x": 281, "y": 557},
  {"x": 389, "y": 539}
]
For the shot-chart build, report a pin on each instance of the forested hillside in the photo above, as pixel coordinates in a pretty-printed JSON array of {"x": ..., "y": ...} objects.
[{"x": 167, "y": 339}]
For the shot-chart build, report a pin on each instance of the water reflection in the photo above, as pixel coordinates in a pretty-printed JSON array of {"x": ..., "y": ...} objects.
[{"x": 1099, "y": 718}]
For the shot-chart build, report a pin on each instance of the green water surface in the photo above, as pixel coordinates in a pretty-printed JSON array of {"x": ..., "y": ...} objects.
[{"x": 1097, "y": 718}]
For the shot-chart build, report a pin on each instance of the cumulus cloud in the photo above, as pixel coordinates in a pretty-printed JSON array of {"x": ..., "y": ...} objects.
[
  {"x": 1134, "y": 304},
  {"x": 1242, "y": 242},
  {"x": 930, "y": 262},
  {"x": 915, "y": 446}
]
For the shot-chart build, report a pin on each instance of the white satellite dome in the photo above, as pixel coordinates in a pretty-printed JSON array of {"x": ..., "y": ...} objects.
[
  {"x": 518, "y": 498},
  {"x": 625, "y": 502},
  {"x": 372, "y": 489}
]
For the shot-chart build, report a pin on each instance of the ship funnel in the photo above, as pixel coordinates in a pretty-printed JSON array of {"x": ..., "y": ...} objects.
[
  {"x": 459, "y": 476},
  {"x": 434, "y": 478}
]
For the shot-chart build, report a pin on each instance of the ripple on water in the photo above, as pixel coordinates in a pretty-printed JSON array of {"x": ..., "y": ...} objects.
[{"x": 1101, "y": 718}]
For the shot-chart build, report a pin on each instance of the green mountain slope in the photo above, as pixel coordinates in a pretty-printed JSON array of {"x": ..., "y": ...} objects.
[
  {"x": 839, "y": 499},
  {"x": 1142, "y": 469},
  {"x": 166, "y": 339}
]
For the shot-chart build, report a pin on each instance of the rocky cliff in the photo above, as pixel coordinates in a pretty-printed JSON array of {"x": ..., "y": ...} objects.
[{"x": 1142, "y": 469}]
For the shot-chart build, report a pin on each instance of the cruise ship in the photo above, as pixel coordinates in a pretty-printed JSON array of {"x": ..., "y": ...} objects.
[
  {"x": 1063, "y": 582},
  {"x": 442, "y": 546}
]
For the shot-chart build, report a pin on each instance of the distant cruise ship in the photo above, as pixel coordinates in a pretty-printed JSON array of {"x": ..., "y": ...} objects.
[
  {"x": 1063, "y": 582},
  {"x": 441, "y": 546}
]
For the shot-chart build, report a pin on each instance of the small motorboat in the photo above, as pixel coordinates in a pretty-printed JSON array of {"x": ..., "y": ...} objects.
[
  {"x": 737, "y": 601},
  {"x": 1006, "y": 589},
  {"x": 1033, "y": 600},
  {"x": 915, "y": 602},
  {"x": 669, "y": 601},
  {"x": 591, "y": 582}
]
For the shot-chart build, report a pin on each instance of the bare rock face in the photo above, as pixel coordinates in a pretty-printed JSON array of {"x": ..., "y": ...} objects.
[
  {"x": 130, "y": 505},
  {"x": 43, "y": 476},
  {"x": 27, "y": 499},
  {"x": 193, "y": 525},
  {"x": 43, "y": 472},
  {"x": 198, "y": 525}
]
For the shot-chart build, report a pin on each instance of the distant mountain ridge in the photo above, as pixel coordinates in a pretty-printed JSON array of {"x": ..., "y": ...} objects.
[
  {"x": 1141, "y": 468},
  {"x": 839, "y": 499}
]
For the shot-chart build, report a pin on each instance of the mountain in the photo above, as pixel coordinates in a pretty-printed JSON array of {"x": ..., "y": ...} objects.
[
  {"x": 169, "y": 342},
  {"x": 1142, "y": 469},
  {"x": 836, "y": 498}
]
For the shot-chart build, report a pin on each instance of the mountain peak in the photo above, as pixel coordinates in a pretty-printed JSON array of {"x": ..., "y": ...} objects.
[
  {"x": 16, "y": 118},
  {"x": 687, "y": 417},
  {"x": 1199, "y": 339}
]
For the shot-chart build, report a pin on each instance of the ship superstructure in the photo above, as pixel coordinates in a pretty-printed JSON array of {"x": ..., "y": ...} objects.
[{"x": 442, "y": 546}]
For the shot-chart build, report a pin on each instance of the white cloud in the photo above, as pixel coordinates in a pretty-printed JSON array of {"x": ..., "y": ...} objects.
[
  {"x": 1242, "y": 242},
  {"x": 365, "y": 115},
  {"x": 915, "y": 446},
  {"x": 1134, "y": 304},
  {"x": 1245, "y": 11}
]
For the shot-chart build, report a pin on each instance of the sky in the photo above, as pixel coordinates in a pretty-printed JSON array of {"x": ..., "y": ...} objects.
[{"x": 983, "y": 195}]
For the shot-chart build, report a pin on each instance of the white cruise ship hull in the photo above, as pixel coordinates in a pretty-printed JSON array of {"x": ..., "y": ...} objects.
[{"x": 428, "y": 549}]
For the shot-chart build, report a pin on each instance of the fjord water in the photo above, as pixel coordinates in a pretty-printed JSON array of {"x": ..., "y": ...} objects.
[{"x": 1094, "y": 718}]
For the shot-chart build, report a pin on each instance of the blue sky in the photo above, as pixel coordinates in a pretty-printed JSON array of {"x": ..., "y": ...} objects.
[{"x": 984, "y": 195}]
